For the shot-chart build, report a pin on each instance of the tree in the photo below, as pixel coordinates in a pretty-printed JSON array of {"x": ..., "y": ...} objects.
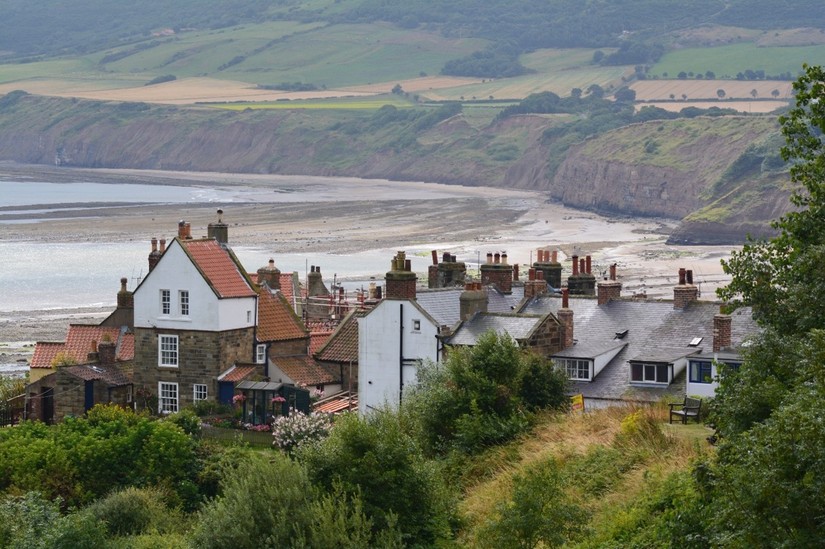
[
  {"x": 576, "y": 92},
  {"x": 710, "y": 75},
  {"x": 594, "y": 90},
  {"x": 684, "y": 97},
  {"x": 720, "y": 93},
  {"x": 775, "y": 93},
  {"x": 672, "y": 96},
  {"x": 397, "y": 90},
  {"x": 625, "y": 94},
  {"x": 754, "y": 93}
]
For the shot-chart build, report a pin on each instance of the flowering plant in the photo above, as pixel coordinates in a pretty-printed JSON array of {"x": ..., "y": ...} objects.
[
  {"x": 237, "y": 399},
  {"x": 297, "y": 429},
  {"x": 260, "y": 428},
  {"x": 278, "y": 398}
]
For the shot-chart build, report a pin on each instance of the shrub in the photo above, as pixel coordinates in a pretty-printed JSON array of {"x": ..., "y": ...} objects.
[
  {"x": 134, "y": 511},
  {"x": 291, "y": 432},
  {"x": 187, "y": 420},
  {"x": 33, "y": 521}
]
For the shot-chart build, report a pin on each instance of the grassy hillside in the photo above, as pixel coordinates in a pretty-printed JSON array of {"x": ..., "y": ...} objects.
[{"x": 728, "y": 61}]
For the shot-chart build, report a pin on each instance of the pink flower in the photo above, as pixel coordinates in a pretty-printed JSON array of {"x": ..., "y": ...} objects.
[{"x": 278, "y": 398}]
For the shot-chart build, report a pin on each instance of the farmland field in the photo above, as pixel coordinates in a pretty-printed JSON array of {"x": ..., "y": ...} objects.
[
  {"x": 741, "y": 106},
  {"x": 371, "y": 103},
  {"x": 651, "y": 90},
  {"x": 727, "y": 61}
]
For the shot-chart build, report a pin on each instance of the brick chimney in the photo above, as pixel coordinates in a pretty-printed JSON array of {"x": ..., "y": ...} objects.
[
  {"x": 582, "y": 281},
  {"x": 106, "y": 353},
  {"x": 124, "y": 296},
  {"x": 219, "y": 231},
  {"x": 447, "y": 274},
  {"x": 685, "y": 292},
  {"x": 271, "y": 275},
  {"x": 550, "y": 266},
  {"x": 565, "y": 315},
  {"x": 400, "y": 280},
  {"x": 497, "y": 273},
  {"x": 472, "y": 300},
  {"x": 154, "y": 255},
  {"x": 184, "y": 230},
  {"x": 721, "y": 332},
  {"x": 535, "y": 284},
  {"x": 609, "y": 289}
]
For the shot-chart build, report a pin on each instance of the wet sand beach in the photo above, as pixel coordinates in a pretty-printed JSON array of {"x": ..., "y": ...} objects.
[{"x": 295, "y": 214}]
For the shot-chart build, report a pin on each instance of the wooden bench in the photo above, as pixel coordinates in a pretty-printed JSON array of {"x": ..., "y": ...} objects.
[{"x": 691, "y": 407}]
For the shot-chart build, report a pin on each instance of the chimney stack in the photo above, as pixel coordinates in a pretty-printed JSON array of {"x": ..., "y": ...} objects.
[
  {"x": 270, "y": 275},
  {"x": 154, "y": 255},
  {"x": 721, "y": 332},
  {"x": 608, "y": 290},
  {"x": 219, "y": 231},
  {"x": 497, "y": 273},
  {"x": 550, "y": 267},
  {"x": 472, "y": 300},
  {"x": 400, "y": 280},
  {"x": 124, "y": 296},
  {"x": 565, "y": 315},
  {"x": 685, "y": 292},
  {"x": 106, "y": 353},
  {"x": 582, "y": 281},
  {"x": 184, "y": 230}
]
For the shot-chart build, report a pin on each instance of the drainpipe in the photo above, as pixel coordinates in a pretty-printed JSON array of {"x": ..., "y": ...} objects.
[{"x": 400, "y": 353}]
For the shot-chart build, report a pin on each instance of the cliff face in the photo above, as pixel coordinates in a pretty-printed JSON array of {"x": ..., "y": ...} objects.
[{"x": 661, "y": 168}]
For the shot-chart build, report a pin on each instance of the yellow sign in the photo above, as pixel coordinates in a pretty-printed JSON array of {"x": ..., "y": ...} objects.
[{"x": 577, "y": 403}]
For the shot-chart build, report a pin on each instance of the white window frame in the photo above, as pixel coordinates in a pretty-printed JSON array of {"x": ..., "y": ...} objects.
[
  {"x": 260, "y": 353},
  {"x": 572, "y": 368},
  {"x": 168, "y": 404},
  {"x": 168, "y": 351},
  {"x": 165, "y": 302},
  {"x": 183, "y": 302},
  {"x": 200, "y": 391}
]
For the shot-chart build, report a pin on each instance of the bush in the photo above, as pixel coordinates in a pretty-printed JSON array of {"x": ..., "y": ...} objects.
[
  {"x": 187, "y": 420},
  {"x": 33, "y": 521},
  {"x": 293, "y": 431},
  {"x": 538, "y": 511},
  {"x": 134, "y": 511}
]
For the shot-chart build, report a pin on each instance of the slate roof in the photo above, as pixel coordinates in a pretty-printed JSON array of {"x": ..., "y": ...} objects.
[
  {"x": 654, "y": 330},
  {"x": 78, "y": 344},
  {"x": 303, "y": 370},
  {"x": 111, "y": 375},
  {"x": 219, "y": 267},
  {"x": 276, "y": 319},
  {"x": 518, "y": 326},
  {"x": 443, "y": 304},
  {"x": 342, "y": 345}
]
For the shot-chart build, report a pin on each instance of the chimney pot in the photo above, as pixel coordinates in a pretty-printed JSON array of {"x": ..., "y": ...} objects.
[
  {"x": 554, "y": 257},
  {"x": 435, "y": 257},
  {"x": 613, "y": 272},
  {"x": 682, "y": 275},
  {"x": 689, "y": 276},
  {"x": 496, "y": 258},
  {"x": 575, "y": 265},
  {"x": 154, "y": 244},
  {"x": 489, "y": 258},
  {"x": 408, "y": 265},
  {"x": 587, "y": 264},
  {"x": 123, "y": 282},
  {"x": 503, "y": 258},
  {"x": 581, "y": 266},
  {"x": 539, "y": 274},
  {"x": 565, "y": 298},
  {"x": 515, "y": 272},
  {"x": 531, "y": 274},
  {"x": 162, "y": 245}
]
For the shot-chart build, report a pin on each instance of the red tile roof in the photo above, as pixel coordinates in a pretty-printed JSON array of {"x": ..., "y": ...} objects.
[
  {"x": 343, "y": 402},
  {"x": 80, "y": 341},
  {"x": 219, "y": 267},
  {"x": 303, "y": 370},
  {"x": 237, "y": 373},
  {"x": 276, "y": 319},
  {"x": 317, "y": 340},
  {"x": 342, "y": 346},
  {"x": 287, "y": 288}
]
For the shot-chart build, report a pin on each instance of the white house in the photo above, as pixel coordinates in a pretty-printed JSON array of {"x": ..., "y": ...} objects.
[{"x": 393, "y": 339}]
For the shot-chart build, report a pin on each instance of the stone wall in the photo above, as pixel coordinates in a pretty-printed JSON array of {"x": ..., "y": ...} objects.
[{"x": 202, "y": 356}]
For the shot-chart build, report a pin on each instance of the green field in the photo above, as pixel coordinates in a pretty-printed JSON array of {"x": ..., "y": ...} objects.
[
  {"x": 367, "y": 103},
  {"x": 275, "y": 52},
  {"x": 727, "y": 61}
]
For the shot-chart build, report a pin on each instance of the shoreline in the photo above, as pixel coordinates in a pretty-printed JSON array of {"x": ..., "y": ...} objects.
[{"x": 345, "y": 216}]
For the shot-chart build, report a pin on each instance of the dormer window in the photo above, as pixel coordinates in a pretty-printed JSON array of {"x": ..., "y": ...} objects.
[{"x": 649, "y": 373}]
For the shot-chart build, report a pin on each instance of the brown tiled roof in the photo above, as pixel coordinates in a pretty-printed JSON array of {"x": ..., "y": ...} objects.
[
  {"x": 287, "y": 289},
  {"x": 303, "y": 370},
  {"x": 237, "y": 373},
  {"x": 339, "y": 403},
  {"x": 45, "y": 352},
  {"x": 276, "y": 319},
  {"x": 219, "y": 267},
  {"x": 318, "y": 340},
  {"x": 79, "y": 343},
  {"x": 342, "y": 346},
  {"x": 110, "y": 374}
]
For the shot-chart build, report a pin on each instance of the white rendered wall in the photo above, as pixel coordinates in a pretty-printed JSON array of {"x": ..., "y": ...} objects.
[
  {"x": 379, "y": 337},
  {"x": 176, "y": 272}
]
